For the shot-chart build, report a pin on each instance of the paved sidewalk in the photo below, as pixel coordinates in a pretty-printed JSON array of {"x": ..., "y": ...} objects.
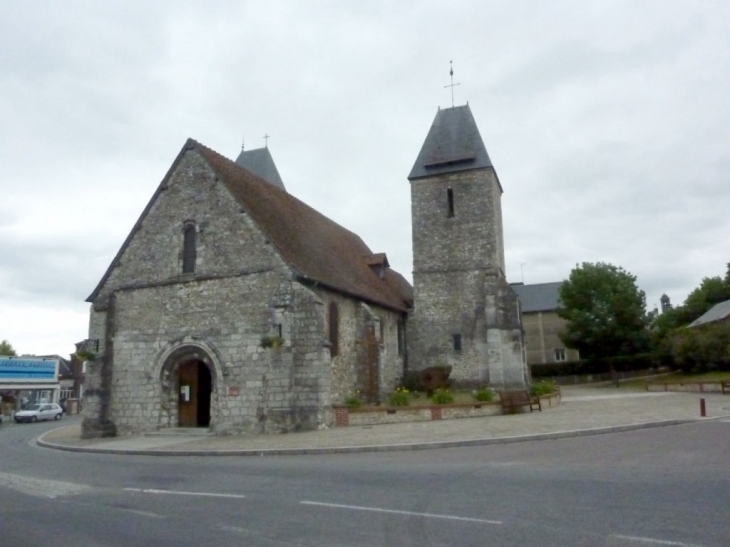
[{"x": 583, "y": 411}]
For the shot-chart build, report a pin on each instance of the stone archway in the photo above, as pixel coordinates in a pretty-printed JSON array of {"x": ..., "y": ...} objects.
[{"x": 189, "y": 376}]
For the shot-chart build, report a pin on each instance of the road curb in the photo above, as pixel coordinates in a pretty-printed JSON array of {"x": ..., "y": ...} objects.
[{"x": 362, "y": 449}]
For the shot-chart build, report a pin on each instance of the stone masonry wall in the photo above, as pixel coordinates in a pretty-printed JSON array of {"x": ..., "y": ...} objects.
[
  {"x": 229, "y": 245},
  {"x": 472, "y": 238},
  {"x": 254, "y": 388},
  {"x": 349, "y": 368},
  {"x": 459, "y": 284},
  {"x": 228, "y": 242}
]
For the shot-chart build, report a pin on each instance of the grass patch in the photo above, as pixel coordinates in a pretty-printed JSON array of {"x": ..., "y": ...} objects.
[
  {"x": 682, "y": 378},
  {"x": 634, "y": 384},
  {"x": 671, "y": 378}
]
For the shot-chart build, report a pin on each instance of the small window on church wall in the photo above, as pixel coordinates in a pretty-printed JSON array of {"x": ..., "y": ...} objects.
[
  {"x": 560, "y": 355},
  {"x": 457, "y": 342},
  {"x": 334, "y": 321},
  {"x": 450, "y": 198},
  {"x": 189, "y": 248},
  {"x": 401, "y": 337}
]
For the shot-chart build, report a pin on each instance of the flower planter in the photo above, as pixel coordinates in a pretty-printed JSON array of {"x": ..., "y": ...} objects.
[{"x": 385, "y": 414}]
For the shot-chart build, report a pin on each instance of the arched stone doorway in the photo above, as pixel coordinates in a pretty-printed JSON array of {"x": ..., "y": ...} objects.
[{"x": 188, "y": 376}]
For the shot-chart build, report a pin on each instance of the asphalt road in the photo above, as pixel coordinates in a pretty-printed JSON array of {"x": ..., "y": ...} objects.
[{"x": 668, "y": 486}]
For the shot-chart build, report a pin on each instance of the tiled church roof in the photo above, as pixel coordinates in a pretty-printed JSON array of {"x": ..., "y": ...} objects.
[{"x": 317, "y": 248}]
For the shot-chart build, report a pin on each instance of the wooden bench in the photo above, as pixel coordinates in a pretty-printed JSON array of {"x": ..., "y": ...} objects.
[
  {"x": 725, "y": 386},
  {"x": 514, "y": 399}
]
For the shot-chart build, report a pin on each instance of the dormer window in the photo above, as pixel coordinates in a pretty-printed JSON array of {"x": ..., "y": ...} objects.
[
  {"x": 190, "y": 242},
  {"x": 378, "y": 263}
]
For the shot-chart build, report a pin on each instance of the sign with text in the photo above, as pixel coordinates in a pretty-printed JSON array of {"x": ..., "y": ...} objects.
[{"x": 28, "y": 369}]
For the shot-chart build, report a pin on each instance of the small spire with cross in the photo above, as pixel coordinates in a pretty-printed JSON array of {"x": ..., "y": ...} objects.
[
  {"x": 451, "y": 73},
  {"x": 266, "y": 139},
  {"x": 243, "y": 143}
]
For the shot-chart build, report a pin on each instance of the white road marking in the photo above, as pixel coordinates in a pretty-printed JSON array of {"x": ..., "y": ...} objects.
[
  {"x": 141, "y": 513},
  {"x": 658, "y": 541},
  {"x": 236, "y": 529},
  {"x": 396, "y": 512},
  {"x": 43, "y": 488},
  {"x": 180, "y": 493}
]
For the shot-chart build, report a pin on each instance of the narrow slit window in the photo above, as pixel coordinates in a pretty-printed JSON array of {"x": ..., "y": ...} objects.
[
  {"x": 334, "y": 321},
  {"x": 457, "y": 341},
  {"x": 401, "y": 338},
  {"x": 450, "y": 199},
  {"x": 189, "y": 248}
]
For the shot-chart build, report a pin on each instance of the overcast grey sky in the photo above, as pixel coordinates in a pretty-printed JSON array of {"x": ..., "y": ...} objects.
[{"x": 607, "y": 122}]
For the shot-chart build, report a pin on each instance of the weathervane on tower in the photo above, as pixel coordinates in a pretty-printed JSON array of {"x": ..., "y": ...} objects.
[{"x": 451, "y": 73}]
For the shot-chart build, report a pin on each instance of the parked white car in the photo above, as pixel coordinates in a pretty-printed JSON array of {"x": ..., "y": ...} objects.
[{"x": 45, "y": 411}]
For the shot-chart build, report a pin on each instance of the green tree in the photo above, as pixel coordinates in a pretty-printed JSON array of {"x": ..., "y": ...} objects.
[
  {"x": 702, "y": 348},
  {"x": 605, "y": 311},
  {"x": 711, "y": 291},
  {"x": 7, "y": 349}
]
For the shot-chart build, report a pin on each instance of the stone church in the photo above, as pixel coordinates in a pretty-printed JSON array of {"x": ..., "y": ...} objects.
[{"x": 233, "y": 305}]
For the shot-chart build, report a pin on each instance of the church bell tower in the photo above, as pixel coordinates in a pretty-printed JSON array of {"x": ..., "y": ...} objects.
[{"x": 465, "y": 313}]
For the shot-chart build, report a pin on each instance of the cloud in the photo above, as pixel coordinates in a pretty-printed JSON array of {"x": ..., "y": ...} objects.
[{"x": 606, "y": 122}]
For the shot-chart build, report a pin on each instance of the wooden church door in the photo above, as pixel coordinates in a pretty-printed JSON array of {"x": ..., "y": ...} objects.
[{"x": 187, "y": 408}]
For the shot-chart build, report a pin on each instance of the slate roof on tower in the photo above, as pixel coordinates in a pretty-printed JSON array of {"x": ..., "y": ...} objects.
[
  {"x": 453, "y": 144},
  {"x": 316, "y": 248},
  {"x": 260, "y": 162}
]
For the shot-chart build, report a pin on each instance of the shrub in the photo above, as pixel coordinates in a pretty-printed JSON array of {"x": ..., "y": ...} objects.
[
  {"x": 702, "y": 349},
  {"x": 399, "y": 397},
  {"x": 543, "y": 388},
  {"x": 410, "y": 381},
  {"x": 604, "y": 365},
  {"x": 484, "y": 394},
  {"x": 271, "y": 342},
  {"x": 442, "y": 396},
  {"x": 353, "y": 400},
  {"x": 84, "y": 355}
]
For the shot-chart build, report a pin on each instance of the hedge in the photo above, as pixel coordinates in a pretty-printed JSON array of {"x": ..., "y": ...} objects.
[{"x": 625, "y": 363}]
